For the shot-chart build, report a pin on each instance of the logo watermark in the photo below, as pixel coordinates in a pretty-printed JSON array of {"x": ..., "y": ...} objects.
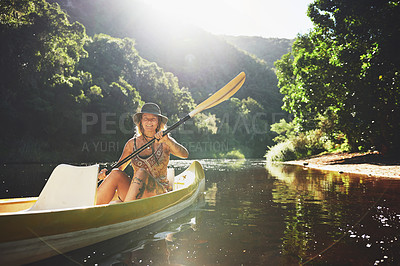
[
  {"x": 100, "y": 146},
  {"x": 108, "y": 122},
  {"x": 207, "y": 146},
  {"x": 254, "y": 124}
]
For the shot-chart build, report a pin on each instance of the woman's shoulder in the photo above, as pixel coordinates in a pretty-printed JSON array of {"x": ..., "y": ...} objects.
[{"x": 131, "y": 142}]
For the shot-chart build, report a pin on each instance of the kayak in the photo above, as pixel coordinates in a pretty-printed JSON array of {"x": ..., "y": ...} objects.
[{"x": 33, "y": 229}]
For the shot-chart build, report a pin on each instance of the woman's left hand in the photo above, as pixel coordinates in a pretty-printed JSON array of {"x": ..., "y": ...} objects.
[{"x": 160, "y": 138}]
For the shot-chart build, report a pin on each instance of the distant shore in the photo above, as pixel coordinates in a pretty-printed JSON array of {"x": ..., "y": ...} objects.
[{"x": 371, "y": 164}]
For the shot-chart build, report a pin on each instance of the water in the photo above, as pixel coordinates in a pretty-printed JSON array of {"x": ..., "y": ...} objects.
[{"x": 253, "y": 214}]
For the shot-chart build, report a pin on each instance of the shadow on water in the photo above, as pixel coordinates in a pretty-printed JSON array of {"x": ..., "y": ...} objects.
[{"x": 258, "y": 214}]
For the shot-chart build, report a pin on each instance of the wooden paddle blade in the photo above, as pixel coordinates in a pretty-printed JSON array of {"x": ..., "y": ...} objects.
[{"x": 223, "y": 94}]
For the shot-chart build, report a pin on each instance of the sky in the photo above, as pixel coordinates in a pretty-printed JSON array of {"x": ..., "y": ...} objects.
[{"x": 265, "y": 18}]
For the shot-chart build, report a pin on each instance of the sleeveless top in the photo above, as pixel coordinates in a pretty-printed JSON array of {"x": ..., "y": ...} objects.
[{"x": 155, "y": 164}]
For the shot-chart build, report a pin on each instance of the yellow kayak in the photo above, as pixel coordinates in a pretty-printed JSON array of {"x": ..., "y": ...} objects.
[{"x": 33, "y": 229}]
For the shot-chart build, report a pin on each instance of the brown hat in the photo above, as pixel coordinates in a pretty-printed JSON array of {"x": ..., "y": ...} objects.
[{"x": 150, "y": 108}]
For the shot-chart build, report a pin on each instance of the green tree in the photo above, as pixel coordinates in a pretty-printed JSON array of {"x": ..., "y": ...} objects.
[
  {"x": 38, "y": 88},
  {"x": 112, "y": 59},
  {"x": 347, "y": 64}
]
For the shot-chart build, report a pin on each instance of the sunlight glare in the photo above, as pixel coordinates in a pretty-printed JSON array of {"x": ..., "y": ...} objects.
[{"x": 267, "y": 18}]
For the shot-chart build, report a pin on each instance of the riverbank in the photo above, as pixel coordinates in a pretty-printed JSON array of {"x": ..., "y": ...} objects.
[{"x": 371, "y": 164}]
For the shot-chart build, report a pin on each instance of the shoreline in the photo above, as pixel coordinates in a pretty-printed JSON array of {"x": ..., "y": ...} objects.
[{"x": 370, "y": 164}]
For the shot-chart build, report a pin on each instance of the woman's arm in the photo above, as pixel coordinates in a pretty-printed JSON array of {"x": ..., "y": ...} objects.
[
  {"x": 176, "y": 148},
  {"x": 128, "y": 149}
]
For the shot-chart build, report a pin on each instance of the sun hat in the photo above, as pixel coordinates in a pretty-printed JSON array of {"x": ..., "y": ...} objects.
[{"x": 149, "y": 108}]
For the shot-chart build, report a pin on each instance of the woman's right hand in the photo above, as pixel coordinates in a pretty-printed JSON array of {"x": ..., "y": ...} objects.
[{"x": 102, "y": 174}]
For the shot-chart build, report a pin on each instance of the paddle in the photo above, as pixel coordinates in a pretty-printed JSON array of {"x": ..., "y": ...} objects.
[{"x": 223, "y": 94}]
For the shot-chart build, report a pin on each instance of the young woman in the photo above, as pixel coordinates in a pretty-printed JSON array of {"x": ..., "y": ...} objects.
[{"x": 150, "y": 166}]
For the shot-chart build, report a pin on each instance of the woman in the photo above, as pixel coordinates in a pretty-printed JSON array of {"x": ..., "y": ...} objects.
[{"x": 150, "y": 166}]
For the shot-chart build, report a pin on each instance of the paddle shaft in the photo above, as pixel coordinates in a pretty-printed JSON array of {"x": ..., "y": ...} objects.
[{"x": 127, "y": 158}]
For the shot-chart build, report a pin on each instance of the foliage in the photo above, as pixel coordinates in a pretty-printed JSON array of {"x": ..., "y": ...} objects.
[
  {"x": 39, "y": 50},
  {"x": 347, "y": 65},
  {"x": 303, "y": 145},
  {"x": 284, "y": 130},
  {"x": 116, "y": 61},
  {"x": 206, "y": 123},
  {"x": 234, "y": 154},
  {"x": 292, "y": 143},
  {"x": 267, "y": 49},
  {"x": 283, "y": 151}
]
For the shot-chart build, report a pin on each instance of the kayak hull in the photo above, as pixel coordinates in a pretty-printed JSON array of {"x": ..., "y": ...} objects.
[{"x": 32, "y": 236}]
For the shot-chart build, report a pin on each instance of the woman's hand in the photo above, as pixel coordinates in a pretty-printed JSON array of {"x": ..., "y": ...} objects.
[
  {"x": 175, "y": 148},
  {"x": 102, "y": 174},
  {"x": 160, "y": 138}
]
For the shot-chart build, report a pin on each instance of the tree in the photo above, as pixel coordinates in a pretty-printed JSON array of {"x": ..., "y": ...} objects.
[
  {"x": 112, "y": 59},
  {"x": 348, "y": 64},
  {"x": 39, "y": 50}
]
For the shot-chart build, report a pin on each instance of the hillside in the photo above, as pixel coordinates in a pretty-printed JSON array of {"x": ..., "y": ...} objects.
[
  {"x": 267, "y": 49},
  {"x": 203, "y": 62}
]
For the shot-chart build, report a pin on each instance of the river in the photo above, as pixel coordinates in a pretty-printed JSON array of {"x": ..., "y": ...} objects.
[{"x": 252, "y": 214}]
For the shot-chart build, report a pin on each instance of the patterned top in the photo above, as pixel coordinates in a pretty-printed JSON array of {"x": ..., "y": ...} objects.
[{"x": 156, "y": 164}]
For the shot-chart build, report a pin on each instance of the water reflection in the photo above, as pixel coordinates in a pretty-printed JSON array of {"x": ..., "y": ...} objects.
[
  {"x": 333, "y": 217},
  {"x": 167, "y": 247},
  {"x": 211, "y": 195}
]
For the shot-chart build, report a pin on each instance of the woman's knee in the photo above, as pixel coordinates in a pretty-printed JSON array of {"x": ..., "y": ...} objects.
[
  {"x": 116, "y": 176},
  {"x": 116, "y": 171}
]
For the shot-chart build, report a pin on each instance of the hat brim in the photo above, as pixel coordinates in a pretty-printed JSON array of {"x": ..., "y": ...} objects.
[{"x": 136, "y": 118}]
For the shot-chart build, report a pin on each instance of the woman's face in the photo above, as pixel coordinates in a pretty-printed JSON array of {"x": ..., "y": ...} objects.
[{"x": 150, "y": 123}]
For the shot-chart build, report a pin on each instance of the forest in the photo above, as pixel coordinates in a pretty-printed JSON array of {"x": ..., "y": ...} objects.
[
  {"x": 341, "y": 82},
  {"x": 74, "y": 72}
]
